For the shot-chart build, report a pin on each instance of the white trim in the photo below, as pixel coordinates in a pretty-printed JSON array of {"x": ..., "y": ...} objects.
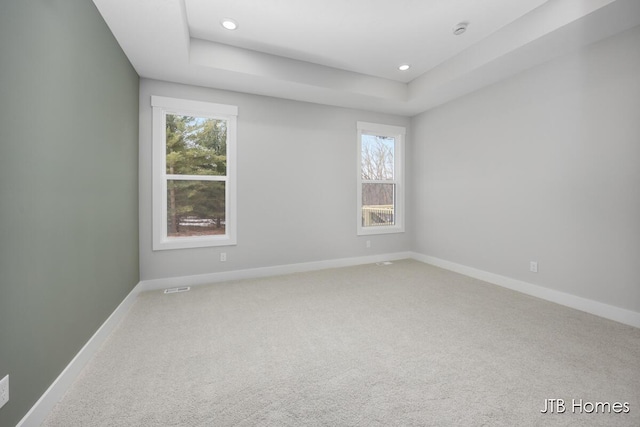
[
  {"x": 189, "y": 105},
  {"x": 380, "y": 129},
  {"x": 252, "y": 273},
  {"x": 161, "y": 106},
  {"x": 41, "y": 409},
  {"x": 398, "y": 133},
  {"x": 607, "y": 311},
  {"x": 56, "y": 391}
]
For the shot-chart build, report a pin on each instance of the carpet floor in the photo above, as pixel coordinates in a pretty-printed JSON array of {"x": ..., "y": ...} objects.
[{"x": 406, "y": 344}]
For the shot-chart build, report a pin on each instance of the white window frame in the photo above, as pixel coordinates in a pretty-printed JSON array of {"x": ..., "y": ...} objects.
[
  {"x": 398, "y": 133},
  {"x": 161, "y": 107}
]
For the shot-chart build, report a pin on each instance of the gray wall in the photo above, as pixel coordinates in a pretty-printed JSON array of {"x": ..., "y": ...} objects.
[
  {"x": 68, "y": 188},
  {"x": 296, "y": 185},
  {"x": 544, "y": 166}
]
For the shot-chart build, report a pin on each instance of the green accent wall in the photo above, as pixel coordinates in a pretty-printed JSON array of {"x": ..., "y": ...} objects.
[{"x": 68, "y": 188}]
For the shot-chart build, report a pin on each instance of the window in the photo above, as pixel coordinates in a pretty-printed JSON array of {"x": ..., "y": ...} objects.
[
  {"x": 194, "y": 167},
  {"x": 380, "y": 178}
]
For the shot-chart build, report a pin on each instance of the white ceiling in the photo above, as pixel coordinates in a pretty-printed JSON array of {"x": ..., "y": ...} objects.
[
  {"x": 347, "y": 53},
  {"x": 370, "y": 37}
]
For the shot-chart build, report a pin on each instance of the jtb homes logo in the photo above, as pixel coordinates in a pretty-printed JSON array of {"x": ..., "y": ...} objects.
[{"x": 579, "y": 406}]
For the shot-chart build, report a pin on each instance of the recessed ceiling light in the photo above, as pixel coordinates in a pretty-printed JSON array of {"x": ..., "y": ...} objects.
[
  {"x": 460, "y": 28},
  {"x": 229, "y": 24},
  {"x": 404, "y": 67}
]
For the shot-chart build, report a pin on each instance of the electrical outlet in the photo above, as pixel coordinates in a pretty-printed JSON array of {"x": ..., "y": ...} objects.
[
  {"x": 533, "y": 266},
  {"x": 4, "y": 391},
  {"x": 223, "y": 256},
  {"x": 368, "y": 243}
]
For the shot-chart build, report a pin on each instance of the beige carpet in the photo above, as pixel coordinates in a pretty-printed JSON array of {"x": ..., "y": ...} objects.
[{"x": 405, "y": 344}]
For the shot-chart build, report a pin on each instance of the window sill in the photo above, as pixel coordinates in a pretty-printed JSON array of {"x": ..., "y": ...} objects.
[
  {"x": 193, "y": 242},
  {"x": 368, "y": 231}
]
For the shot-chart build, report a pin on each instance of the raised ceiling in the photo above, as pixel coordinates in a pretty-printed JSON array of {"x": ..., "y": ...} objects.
[
  {"x": 347, "y": 53},
  {"x": 369, "y": 37}
]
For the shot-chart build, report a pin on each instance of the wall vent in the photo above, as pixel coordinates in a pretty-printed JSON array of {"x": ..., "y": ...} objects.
[{"x": 176, "y": 290}]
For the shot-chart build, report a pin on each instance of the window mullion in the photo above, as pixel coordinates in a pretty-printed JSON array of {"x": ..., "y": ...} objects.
[
  {"x": 379, "y": 181},
  {"x": 380, "y": 201},
  {"x": 195, "y": 177}
]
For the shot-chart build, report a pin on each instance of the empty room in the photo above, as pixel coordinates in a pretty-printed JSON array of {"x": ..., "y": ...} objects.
[{"x": 319, "y": 213}]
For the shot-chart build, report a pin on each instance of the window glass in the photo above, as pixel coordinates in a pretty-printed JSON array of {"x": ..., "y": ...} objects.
[
  {"x": 195, "y": 208},
  {"x": 377, "y": 157},
  {"x": 380, "y": 178},
  {"x": 194, "y": 174},
  {"x": 196, "y": 145}
]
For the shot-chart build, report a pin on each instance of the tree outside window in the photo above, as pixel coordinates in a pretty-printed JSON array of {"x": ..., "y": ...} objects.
[
  {"x": 194, "y": 174},
  {"x": 195, "y": 146},
  {"x": 380, "y": 178}
]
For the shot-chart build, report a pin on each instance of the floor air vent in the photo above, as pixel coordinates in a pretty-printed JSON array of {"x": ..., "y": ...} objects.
[{"x": 176, "y": 290}]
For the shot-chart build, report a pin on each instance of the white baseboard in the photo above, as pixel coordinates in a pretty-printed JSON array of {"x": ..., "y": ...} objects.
[
  {"x": 607, "y": 311},
  {"x": 41, "y": 409},
  {"x": 56, "y": 391},
  {"x": 203, "y": 279}
]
